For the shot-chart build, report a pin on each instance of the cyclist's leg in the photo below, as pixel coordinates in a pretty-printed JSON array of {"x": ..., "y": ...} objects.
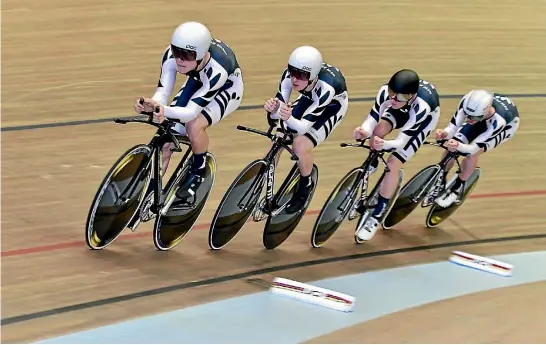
[
  {"x": 225, "y": 103},
  {"x": 304, "y": 144}
]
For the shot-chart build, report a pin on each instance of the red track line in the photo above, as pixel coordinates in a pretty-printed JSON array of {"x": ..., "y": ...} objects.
[
  {"x": 508, "y": 194},
  {"x": 74, "y": 244}
]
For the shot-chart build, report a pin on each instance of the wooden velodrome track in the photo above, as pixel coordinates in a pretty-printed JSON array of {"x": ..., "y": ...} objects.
[{"x": 86, "y": 60}]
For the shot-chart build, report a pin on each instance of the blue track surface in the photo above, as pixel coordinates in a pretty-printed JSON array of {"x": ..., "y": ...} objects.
[{"x": 257, "y": 318}]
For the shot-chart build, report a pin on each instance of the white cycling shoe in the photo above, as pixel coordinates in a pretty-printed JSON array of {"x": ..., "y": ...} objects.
[
  {"x": 368, "y": 230},
  {"x": 447, "y": 198}
]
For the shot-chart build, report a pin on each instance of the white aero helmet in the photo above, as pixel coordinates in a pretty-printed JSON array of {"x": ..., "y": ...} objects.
[
  {"x": 477, "y": 103},
  {"x": 305, "y": 63},
  {"x": 191, "y": 41}
]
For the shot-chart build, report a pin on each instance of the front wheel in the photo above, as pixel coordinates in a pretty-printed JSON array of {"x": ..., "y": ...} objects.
[
  {"x": 119, "y": 197},
  {"x": 336, "y": 207},
  {"x": 237, "y": 204},
  {"x": 372, "y": 200},
  {"x": 411, "y": 194}
]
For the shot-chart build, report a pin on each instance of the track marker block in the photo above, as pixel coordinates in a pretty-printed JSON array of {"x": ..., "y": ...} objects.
[
  {"x": 313, "y": 294},
  {"x": 481, "y": 263}
]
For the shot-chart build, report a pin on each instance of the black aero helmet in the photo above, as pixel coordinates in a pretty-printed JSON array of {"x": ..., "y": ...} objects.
[{"x": 404, "y": 81}]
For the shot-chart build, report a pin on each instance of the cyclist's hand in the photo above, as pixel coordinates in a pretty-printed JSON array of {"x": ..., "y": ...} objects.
[
  {"x": 159, "y": 117},
  {"x": 286, "y": 112},
  {"x": 377, "y": 143},
  {"x": 452, "y": 145},
  {"x": 441, "y": 134},
  {"x": 360, "y": 133},
  {"x": 272, "y": 105},
  {"x": 148, "y": 106}
]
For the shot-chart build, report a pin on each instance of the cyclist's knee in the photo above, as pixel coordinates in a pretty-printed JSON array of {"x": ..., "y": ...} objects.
[
  {"x": 196, "y": 126},
  {"x": 474, "y": 157},
  {"x": 394, "y": 164},
  {"x": 302, "y": 145}
]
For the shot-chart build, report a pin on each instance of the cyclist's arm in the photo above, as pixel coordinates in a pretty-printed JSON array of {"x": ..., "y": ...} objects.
[
  {"x": 375, "y": 113},
  {"x": 306, "y": 112},
  {"x": 199, "y": 100},
  {"x": 410, "y": 129},
  {"x": 481, "y": 141},
  {"x": 167, "y": 78},
  {"x": 283, "y": 92},
  {"x": 456, "y": 122}
]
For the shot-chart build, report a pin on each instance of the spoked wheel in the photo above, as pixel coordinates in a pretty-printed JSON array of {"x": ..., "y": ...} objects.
[
  {"x": 237, "y": 204},
  {"x": 171, "y": 228},
  {"x": 411, "y": 195},
  {"x": 119, "y": 197},
  {"x": 438, "y": 214},
  {"x": 371, "y": 202},
  {"x": 337, "y": 206},
  {"x": 279, "y": 227}
]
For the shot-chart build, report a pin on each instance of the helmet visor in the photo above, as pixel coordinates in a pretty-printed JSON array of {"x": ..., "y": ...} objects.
[
  {"x": 399, "y": 97},
  {"x": 298, "y": 73},
  {"x": 183, "y": 54},
  {"x": 471, "y": 117}
]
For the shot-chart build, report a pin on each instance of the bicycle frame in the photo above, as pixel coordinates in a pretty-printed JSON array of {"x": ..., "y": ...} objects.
[
  {"x": 163, "y": 135},
  {"x": 364, "y": 174},
  {"x": 279, "y": 142},
  {"x": 438, "y": 177}
]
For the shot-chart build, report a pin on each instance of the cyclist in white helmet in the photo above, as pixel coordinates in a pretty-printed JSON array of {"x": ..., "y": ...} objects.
[
  {"x": 491, "y": 120},
  {"x": 320, "y": 107},
  {"x": 213, "y": 89}
]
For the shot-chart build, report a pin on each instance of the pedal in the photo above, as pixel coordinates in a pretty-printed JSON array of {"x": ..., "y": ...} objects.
[{"x": 183, "y": 206}]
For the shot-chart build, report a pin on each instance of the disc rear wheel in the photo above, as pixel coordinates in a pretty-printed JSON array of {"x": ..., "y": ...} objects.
[
  {"x": 437, "y": 214},
  {"x": 170, "y": 229},
  {"x": 280, "y": 226}
]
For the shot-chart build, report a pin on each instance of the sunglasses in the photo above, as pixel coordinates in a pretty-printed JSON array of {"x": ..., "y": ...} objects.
[
  {"x": 476, "y": 118},
  {"x": 298, "y": 73},
  {"x": 183, "y": 54},
  {"x": 398, "y": 97}
]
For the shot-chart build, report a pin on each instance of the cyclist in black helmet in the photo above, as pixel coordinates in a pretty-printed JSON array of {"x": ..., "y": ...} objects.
[{"x": 407, "y": 103}]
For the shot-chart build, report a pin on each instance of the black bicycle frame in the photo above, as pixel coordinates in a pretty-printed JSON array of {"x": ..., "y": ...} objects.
[
  {"x": 279, "y": 142},
  {"x": 364, "y": 173},
  {"x": 442, "y": 164},
  {"x": 162, "y": 136}
]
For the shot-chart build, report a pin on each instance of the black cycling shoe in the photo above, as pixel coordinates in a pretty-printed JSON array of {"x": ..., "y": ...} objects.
[
  {"x": 187, "y": 191},
  {"x": 299, "y": 198}
]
